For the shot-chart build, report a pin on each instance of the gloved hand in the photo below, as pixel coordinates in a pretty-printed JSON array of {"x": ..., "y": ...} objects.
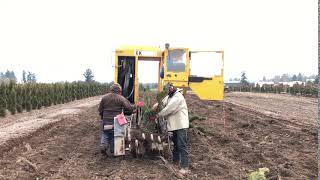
[
  {"x": 101, "y": 115},
  {"x": 134, "y": 108},
  {"x": 154, "y": 107},
  {"x": 154, "y": 117},
  {"x": 170, "y": 134},
  {"x": 140, "y": 104}
]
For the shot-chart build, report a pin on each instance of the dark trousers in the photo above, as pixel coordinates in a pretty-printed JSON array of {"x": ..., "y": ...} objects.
[
  {"x": 107, "y": 136},
  {"x": 180, "y": 153}
]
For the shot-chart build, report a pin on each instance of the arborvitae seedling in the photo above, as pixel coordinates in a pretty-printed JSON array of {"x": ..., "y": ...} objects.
[
  {"x": 12, "y": 102},
  {"x": 34, "y": 102},
  {"x": 3, "y": 105}
]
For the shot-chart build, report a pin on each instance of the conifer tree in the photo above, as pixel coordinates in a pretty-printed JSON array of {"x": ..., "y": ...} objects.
[
  {"x": 3, "y": 102},
  {"x": 12, "y": 102},
  {"x": 28, "y": 103},
  {"x": 19, "y": 99},
  {"x": 34, "y": 102}
]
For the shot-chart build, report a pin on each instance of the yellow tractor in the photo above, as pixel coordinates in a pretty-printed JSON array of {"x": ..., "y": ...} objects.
[
  {"x": 198, "y": 71},
  {"x": 176, "y": 65}
]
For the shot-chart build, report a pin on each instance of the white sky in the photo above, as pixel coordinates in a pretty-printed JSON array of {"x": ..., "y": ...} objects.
[{"x": 59, "y": 39}]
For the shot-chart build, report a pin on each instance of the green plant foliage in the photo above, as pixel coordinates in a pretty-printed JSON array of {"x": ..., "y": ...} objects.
[
  {"x": 3, "y": 100},
  {"x": 305, "y": 89},
  {"x": 2, "y": 106},
  {"x": 148, "y": 123},
  {"x": 193, "y": 117},
  {"x": 19, "y": 103},
  {"x": 12, "y": 101},
  {"x": 259, "y": 174},
  {"x": 17, "y": 97}
]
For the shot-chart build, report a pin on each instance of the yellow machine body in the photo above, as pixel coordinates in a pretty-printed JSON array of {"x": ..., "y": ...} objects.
[{"x": 176, "y": 66}]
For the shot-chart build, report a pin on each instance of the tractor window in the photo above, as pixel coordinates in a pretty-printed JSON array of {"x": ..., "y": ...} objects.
[
  {"x": 205, "y": 64},
  {"x": 177, "y": 60}
]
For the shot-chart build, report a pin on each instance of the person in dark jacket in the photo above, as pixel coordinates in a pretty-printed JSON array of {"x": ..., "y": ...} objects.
[{"x": 111, "y": 105}]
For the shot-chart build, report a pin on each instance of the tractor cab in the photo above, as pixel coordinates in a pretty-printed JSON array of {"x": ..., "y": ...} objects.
[{"x": 199, "y": 71}]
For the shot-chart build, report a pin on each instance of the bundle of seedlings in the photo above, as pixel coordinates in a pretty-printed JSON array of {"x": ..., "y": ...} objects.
[
  {"x": 149, "y": 122},
  {"x": 193, "y": 117}
]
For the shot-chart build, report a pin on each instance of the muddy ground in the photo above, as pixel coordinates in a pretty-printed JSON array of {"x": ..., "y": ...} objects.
[{"x": 238, "y": 136}]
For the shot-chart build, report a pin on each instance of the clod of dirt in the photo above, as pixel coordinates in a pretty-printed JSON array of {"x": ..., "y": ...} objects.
[
  {"x": 224, "y": 140},
  {"x": 286, "y": 172},
  {"x": 244, "y": 125},
  {"x": 197, "y": 131},
  {"x": 27, "y": 162},
  {"x": 28, "y": 147},
  {"x": 287, "y": 165}
]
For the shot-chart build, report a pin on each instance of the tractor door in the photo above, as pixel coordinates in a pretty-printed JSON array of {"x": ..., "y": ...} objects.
[
  {"x": 176, "y": 67},
  {"x": 206, "y": 74}
]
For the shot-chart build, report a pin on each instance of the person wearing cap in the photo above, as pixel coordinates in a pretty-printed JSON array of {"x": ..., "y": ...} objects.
[
  {"x": 112, "y": 104},
  {"x": 175, "y": 111}
]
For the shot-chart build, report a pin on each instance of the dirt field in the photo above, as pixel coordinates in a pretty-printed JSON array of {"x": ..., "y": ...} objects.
[{"x": 245, "y": 132}]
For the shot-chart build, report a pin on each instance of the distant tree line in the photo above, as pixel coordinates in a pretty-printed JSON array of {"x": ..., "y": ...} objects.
[
  {"x": 282, "y": 78},
  {"x": 295, "y": 77},
  {"x": 6, "y": 77},
  {"x": 19, "y": 97},
  {"x": 147, "y": 86},
  {"x": 308, "y": 89}
]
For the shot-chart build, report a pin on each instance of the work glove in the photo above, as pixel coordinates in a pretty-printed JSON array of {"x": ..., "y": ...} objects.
[
  {"x": 140, "y": 104},
  {"x": 170, "y": 134},
  {"x": 154, "y": 117},
  {"x": 101, "y": 115},
  {"x": 154, "y": 107}
]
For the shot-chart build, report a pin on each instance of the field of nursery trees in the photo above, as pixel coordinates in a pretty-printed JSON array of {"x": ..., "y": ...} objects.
[
  {"x": 57, "y": 135},
  {"x": 17, "y": 98},
  {"x": 305, "y": 89}
]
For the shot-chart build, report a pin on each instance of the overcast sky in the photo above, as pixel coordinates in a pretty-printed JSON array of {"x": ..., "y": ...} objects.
[{"x": 59, "y": 39}]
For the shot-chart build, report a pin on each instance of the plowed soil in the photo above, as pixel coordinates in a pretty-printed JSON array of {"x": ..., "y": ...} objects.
[{"x": 238, "y": 136}]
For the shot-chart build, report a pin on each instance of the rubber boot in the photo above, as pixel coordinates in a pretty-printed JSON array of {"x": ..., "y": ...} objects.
[
  {"x": 109, "y": 150},
  {"x": 103, "y": 149}
]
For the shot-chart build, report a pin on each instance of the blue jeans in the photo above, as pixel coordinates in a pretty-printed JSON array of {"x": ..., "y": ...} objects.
[
  {"x": 107, "y": 137},
  {"x": 180, "y": 152}
]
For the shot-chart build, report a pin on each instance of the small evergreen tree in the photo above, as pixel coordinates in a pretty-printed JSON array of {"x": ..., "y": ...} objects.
[
  {"x": 19, "y": 99},
  {"x": 3, "y": 105},
  {"x": 27, "y": 98},
  {"x": 23, "y": 97},
  {"x": 3, "y": 101},
  {"x": 34, "y": 102},
  {"x": 28, "y": 103},
  {"x": 12, "y": 102},
  {"x": 19, "y": 104}
]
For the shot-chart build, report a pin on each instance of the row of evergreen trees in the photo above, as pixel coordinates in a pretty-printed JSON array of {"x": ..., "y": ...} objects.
[
  {"x": 20, "y": 97},
  {"x": 308, "y": 89}
]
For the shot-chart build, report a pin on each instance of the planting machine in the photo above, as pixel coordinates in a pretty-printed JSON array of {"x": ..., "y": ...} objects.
[{"x": 199, "y": 71}]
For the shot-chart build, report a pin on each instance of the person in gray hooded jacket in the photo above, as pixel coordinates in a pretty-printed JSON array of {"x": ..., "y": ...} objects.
[{"x": 175, "y": 111}]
